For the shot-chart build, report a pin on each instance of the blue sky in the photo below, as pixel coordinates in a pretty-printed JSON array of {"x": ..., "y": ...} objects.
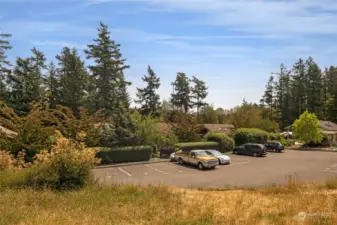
[{"x": 232, "y": 45}]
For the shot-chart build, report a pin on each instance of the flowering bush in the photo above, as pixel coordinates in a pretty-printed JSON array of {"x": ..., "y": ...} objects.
[
  {"x": 66, "y": 166},
  {"x": 9, "y": 162}
]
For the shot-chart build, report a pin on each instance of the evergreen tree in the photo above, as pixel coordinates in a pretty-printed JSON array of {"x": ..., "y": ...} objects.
[
  {"x": 283, "y": 97},
  {"x": 331, "y": 95},
  {"x": 181, "y": 98},
  {"x": 298, "y": 87},
  {"x": 268, "y": 97},
  {"x": 147, "y": 97},
  {"x": 52, "y": 86},
  {"x": 314, "y": 88},
  {"x": 4, "y": 63},
  {"x": 199, "y": 93},
  {"x": 26, "y": 82},
  {"x": 73, "y": 79},
  {"x": 108, "y": 73}
]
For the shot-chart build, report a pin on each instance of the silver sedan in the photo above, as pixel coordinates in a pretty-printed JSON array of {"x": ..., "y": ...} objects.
[{"x": 223, "y": 159}]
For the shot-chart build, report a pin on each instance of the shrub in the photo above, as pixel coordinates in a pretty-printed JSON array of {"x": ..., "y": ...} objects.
[
  {"x": 250, "y": 135},
  {"x": 9, "y": 162},
  {"x": 66, "y": 166},
  {"x": 274, "y": 136},
  {"x": 226, "y": 143},
  {"x": 125, "y": 154},
  {"x": 198, "y": 145},
  {"x": 287, "y": 142}
]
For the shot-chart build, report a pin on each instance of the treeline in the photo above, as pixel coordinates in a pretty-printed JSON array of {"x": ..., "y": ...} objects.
[
  {"x": 303, "y": 87},
  {"x": 97, "y": 85}
]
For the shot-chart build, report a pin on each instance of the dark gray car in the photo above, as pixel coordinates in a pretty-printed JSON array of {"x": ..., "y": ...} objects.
[{"x": 251, "y": 149}]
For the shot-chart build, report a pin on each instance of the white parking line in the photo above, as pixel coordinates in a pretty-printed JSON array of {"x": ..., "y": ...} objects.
[
  {"x": 232, "y": 164},
  {"x": 156, "y": 169},
  {"x": 330, "y": 171},
  {"x": 124, "y": 171}
]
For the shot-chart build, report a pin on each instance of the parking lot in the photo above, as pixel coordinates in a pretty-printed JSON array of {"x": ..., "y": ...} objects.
[{"x": 245, "y": 171}]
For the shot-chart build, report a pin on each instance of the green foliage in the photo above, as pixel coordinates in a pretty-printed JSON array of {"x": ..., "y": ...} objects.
[
  {"x": 199, "y": 93},
  {"x": 287, "y": 142},
  {"x": 198, "y": 145},
  {"x": 147, "y": 97},
  {"x": 226, "y": 143},
  {"x": 274, "y": 136},
  {"x": 148, "y": 132},
  {"x": 250, "y": 135},
  {"x": 4, "y": 64},
  {"x": 208, "y": 115},
  {"x": 185, "y": 127},
  {"x": 25, "y": 82},
  {"x": 307, "y": 128},
  {"x": 250, "y": 115},
  {"x": 109, "y": 91},
  {"x": 126, "y": 154},
  {"x": 181, "y": 96},
  {"x": 73, "y": 79}
]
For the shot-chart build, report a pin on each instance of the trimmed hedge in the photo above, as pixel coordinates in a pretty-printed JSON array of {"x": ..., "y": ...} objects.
[
  {"x": 125, "y": 154},
  {"x": 198, "y": 145},
  {"x": 250, "y": 135},
  {"x": 274, "y": 136},
  {"x": 226, "y": 143}
]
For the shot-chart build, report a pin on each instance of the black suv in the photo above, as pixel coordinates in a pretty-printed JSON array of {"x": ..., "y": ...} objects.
[
  {"x": 274, "y": 146},
  {"x": 251, "y": 149}
]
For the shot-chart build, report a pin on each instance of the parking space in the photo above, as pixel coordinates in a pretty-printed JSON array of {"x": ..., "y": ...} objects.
[{"x": 245, "y": 171}]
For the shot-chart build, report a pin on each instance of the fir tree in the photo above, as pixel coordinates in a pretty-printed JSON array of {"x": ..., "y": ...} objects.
[
  {"x": 52, "y": 86},
  {"x": 108, "y": 73},
  {"x": 181, "y": 98},
  {"x": 147, "y": 97},
  {"x": 73, "y": 79},
  {"x": 4, "y": 64},
  {"x": 314, "y": 88},
  {"x": 268, "y": 97},
  {"x": 26, "y": 82},
  {"x": 199, "y": 94}
]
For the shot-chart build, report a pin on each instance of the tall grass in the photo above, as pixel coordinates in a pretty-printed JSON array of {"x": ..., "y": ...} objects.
[{"x": 127, "y": 204}]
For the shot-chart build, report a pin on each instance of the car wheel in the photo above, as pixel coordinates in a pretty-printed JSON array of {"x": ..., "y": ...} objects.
[
  {"x": 200, "y": 166},
  {"x": 234, "y": 152},
  {"x": 219, "y": 161},
  {"x": 181, "y": 161},
  {"x": 255, "y": 154}
]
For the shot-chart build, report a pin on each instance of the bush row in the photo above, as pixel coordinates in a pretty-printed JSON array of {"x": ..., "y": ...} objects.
[
  {"x": 198, "y": 145},
  {"x": 250, "y": 135},
  {"x": 226, "y": 143},
  {"x": 125, "y": 154}
]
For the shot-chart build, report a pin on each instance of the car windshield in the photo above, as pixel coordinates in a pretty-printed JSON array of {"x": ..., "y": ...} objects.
[
  {"x": 215, "y": 153},
  {"x": 201, "y": 153}
]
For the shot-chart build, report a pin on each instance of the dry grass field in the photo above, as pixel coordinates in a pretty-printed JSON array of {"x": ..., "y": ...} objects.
[{"x": 100, "y": 204}]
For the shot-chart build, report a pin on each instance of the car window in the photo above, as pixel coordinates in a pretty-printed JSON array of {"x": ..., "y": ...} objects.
[
  {"x": 202, "y": 153},
  {"x": 192, "y": 154}
]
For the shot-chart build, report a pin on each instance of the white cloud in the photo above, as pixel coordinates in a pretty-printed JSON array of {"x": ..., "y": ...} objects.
[{"x": 58, "y": 44}]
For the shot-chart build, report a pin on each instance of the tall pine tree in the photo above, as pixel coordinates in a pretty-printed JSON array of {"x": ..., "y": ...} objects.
[
  {"x": 73, "y": 79},
  {"x": 4, "y": 64},
  {"x": 52, "y": 85},
  {"x": 314, "y": 88},
  {"x": 268, "y": 97},
  {"x": 148, "y": 97},
  {"x": 199, "y": 94},
  {"x": 298, "y": 87},
  {"x": 110, "y": 92},
  {"x": 26, "y": 82},
  {"x": 181, "y": 96}
]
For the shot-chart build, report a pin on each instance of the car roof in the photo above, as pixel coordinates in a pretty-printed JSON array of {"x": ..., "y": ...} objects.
[
  {"x": 198, "y": 150},
  {"x": 254, "y": 144}
]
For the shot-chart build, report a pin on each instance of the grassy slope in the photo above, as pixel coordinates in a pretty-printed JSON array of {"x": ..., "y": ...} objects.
[{"x": 161, "y": 205}]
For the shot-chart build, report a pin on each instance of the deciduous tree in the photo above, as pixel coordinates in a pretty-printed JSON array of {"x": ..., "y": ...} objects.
[{"x": 307, "y": 128}]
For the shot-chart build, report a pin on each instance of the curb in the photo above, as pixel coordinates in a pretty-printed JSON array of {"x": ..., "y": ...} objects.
[
  {"x": 131, "y": 164},
  {"x": 310, "y": 150}
]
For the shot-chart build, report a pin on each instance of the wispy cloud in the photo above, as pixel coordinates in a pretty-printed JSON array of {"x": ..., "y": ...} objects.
[
  {"x": 296, "y": 17},
  {"x": 58, "y": 44}
]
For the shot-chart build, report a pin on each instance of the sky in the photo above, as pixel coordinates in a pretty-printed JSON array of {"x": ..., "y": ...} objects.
[{"x": 232, "y": 45}]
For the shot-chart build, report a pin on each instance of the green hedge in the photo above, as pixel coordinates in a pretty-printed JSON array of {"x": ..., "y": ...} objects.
[
  {"x": 125, "y": 154},
  {"x": 226, "y": 143},
  {"x": 250, "y": 135},
  {"x": 198, "y": 145},
  {"x": 274, "y": 136}
]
